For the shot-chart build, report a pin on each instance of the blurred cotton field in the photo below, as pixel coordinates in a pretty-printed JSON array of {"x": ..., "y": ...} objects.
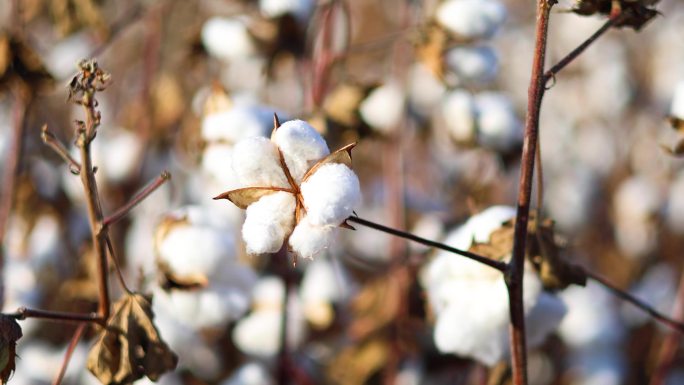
[{"x": 434, "y": 95}]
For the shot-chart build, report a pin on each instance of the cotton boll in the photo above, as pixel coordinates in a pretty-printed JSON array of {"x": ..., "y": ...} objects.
[
  {"x": 459, "y": 112},
  {"x": 471, "y": 19},
  {"x": 479, "y": 227},
  {"x": 331, "y": 194},
  {"x": 232, "y": 125},
  {"x": 268, "y": 293},
  {"x": 227, "y": 38},
  {"x": 44, "y": 242},
  {"x": 302, "y": 146},
  {"x": 216, "y": 162},
  {"x": 277, "y": 8},
  {"x": 424, "y": 90},
  {"x": 251, "y": 373},
  {"x": 473, "y": 64},
  {"x": 308, "y": 240},
  {"x": 258, "y": 334},
  {"x": 383, "y": 108},
  {"x": 63, "y": 56},
  {"x": 119, "y": 153},
  {"x": 677, "y": 106},
  {"x": 256, "y": 163},
  {"x": 499, "y": 126},
  {"x": 268, "y": 221}
]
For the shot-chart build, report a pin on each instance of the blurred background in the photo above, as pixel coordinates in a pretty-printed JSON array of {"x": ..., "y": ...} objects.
[{"x": 436, "y": 101}]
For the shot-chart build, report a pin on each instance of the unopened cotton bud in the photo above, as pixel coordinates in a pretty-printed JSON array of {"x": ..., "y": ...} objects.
[
  {"x": 460, "y": 114},
  {"x": 499, "y": 127},
  {"x": 383, "y": 108},
  {"x": 227, "y": 38},
  {"x": 471, "y": 19},
  {"x": 677, "y": 106},
  {"x": 473, "y": 64}
]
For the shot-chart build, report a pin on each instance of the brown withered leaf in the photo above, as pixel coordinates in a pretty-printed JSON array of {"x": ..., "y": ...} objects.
[
  {"x": 357, "y": 363},
  {"x": 10, "y": 332},
  {"x": 633, "y": 13},
  {"x": 244, "y": 197},
  {"x": 130, "y": 346},
  {"x": 342, "y": 156}
]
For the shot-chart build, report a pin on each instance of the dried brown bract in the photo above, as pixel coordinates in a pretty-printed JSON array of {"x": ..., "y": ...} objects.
[
  {"x": 10, "y": 332},
  {"x": 631, "y": 13}
]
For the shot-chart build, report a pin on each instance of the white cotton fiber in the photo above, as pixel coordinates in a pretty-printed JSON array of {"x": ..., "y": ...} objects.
[
  {"x": 473, "y": 64},
  {"x": 331, "y": 194},
  {"x": 321, "y": 282},
  {"x": 251, "y": 373},
  {"x": 268, "y": 221},
  {"x": 195, "y": 249},
  {"x": 471, "y": 19},
  {"x": 677, "y": 107},
  {"x": 269, "y": 292},
  {"x": 234, "y": 124},
  {"x": 458, "y": 110},
  {"x": 259, "y": 333},
  {"x": 227, "y": 38},
  {"x": 301, "y": 145},
  {"x": 256, "y": 163},
  {"x": 499, "y": 126},
  {"x": 383, "y": 108},
  {"x": 307, "y": 240}
]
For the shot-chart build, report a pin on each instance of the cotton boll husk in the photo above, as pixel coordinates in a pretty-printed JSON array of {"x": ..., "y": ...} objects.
[
  {"x": 331, "y": 194},
  {"x": 256, "y": 163},
  {"x": 302, "y": 146},
  {"x": 499, "y": 127},
  {"x": 471, "y": 19},
  {"x": 473, "y": 64},
  {"x": 227, "y": 38},
  {"x": 308, "y": 240},
  {"x": 239, "y": 122},
  {"x": 459, "y": 113},
  {"x": 383, "y": 108},
  {"x": 276, "y": 8},
  {"x": 251, "y": 373},
  {"x": 269, "y": 220},
  {"x": 425, "y": 91},
  {"x": 677, "y": 106}
]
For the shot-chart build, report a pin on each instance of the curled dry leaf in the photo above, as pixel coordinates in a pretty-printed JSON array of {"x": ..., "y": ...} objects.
[
  {"x": 10, "y": 332},
  {"x": 130, "y": 346},
  {"x": 634, "y": 13}
]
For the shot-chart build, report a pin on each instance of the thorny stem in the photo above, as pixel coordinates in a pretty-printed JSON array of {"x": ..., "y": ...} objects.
[
  {"x": 668, "y": 349},
  {"x": 23, "y": 313},
  {"x": 612, "y": 21},
  {"x": 498, "y": 265},
  {"x": 51, "y": 140},
  {"x": 623, "y": 295},
  {"x": 9, "y": 176},
  {"x": 139, "y": 197},
  {"x": 514, "y": 273},
  {"x": 70, "y": 351}
]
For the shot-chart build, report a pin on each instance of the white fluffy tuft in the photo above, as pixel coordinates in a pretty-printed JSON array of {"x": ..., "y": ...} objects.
[
  {"x": 459, "y": 114},
  {"x": 499, "y": 126},
  {"x": 302, "y": 146},
  {"x": 256, "y": 163},
  {"x": 471, "y": 19},
  {"x": 308, "y": 240},
  {"x": 227, "y": 38},
  {"x": 331, "y": 194},
  {"x": 473, "y": 64},
  {"x": 268, "y": 222},
  {"x": 383, "y": 107}
]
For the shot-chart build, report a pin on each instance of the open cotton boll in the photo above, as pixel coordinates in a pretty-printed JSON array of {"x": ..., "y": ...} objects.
[
  {"x": 234, "y": 124},
  {"x": 302, "y": 146},
  {"x": 383, "y": 108},
  {"x": 677, "y": 106},
  {"x": 331, "y": 194},
  {"x": 459, "y": 112},
  {"x": 227, "y": 38},
  {"x": 267, "y": 223},
  {"x": 256, "y": 163},
  {"x": 251, "y": 373},
  {"x": 471, "y": 19},
  {"x": 301, "y": 9},
  {"x": 308, "y": 240},
  {"x": 473, "y": 64},
  {"x": 499, "y": 127}
]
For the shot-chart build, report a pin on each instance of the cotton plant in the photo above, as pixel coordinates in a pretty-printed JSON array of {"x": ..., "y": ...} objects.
[
  {"x": 470, "y": 301},
  {"x": 298, "y": 191}
]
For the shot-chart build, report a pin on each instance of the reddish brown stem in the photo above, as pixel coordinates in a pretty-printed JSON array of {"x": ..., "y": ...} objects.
[
  {"x": 514, "y": 274},
  {"x": 625, "y": 296},
  {"x": 51, "y": 140},
  {"x": 139, "y": 197},
  {"x": 23, "y": 313},
  {"x": 70, "y": 351}
]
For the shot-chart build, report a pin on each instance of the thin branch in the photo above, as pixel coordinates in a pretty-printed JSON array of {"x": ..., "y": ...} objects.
[
  {"x": 117, "y": 267},
  {"x": 514, "y": 275},
  {"x": 56, "y": 145},
  {"x": 23, "y": 313},
  {"x": 625, "y": 296},
  {"x": 139, "y": 197},
  {"x": 611, "y": 22},
  {"x": 70, "y": 351},
  {"x": 498, "y": 265}
]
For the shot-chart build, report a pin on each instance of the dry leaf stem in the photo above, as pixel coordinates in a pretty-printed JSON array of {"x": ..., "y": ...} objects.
[
  {"x": 514, "y": 272},
  {"x": 70, "y": 351},
  {"x": 139, "y": 197}
]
